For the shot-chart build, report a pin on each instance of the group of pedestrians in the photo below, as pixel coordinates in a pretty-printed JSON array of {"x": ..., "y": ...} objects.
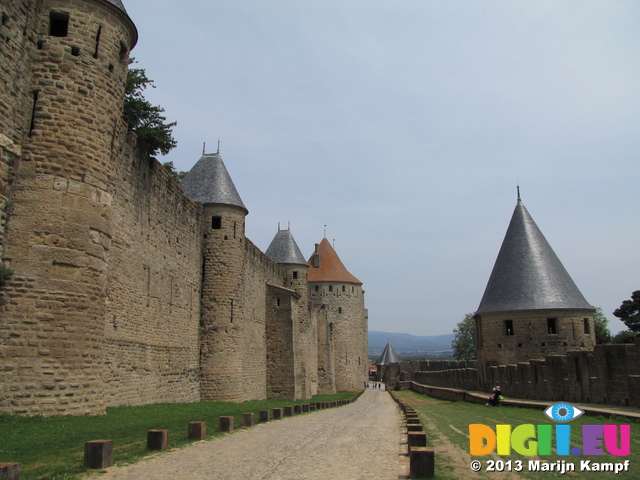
[{"x": 377, "y": 385}]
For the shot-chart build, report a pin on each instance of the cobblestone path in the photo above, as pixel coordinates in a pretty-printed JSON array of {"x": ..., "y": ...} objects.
[{"x": 362, "y": 440}]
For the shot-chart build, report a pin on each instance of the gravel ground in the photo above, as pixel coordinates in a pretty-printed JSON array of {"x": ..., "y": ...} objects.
[{"x": 362, "y": 440}]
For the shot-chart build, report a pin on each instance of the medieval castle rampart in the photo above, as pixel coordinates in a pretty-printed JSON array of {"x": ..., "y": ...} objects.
[{"x": 125, "y": 290}]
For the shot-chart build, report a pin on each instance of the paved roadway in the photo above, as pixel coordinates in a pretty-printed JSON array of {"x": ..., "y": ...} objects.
[{"x": 362, "y": 440}]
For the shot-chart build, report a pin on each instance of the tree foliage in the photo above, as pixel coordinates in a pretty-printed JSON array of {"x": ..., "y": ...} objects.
[
  {"x": 629, "y": 312},
  {"x": 625, "y": 336},
  {"x": 464, "y": 339},
  {"x": 173, "y": 173},
  {"x": 603, "y": 334},
  {"x": 146, "y": 120}
]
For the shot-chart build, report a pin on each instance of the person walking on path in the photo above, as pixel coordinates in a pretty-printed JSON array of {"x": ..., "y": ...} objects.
[{"x": 356, "y": 441}]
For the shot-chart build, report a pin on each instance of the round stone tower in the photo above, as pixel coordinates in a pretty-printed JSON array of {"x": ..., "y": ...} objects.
[
  {"x": 531, "y": 307},
  {"x": 285, "y": 252},
  {"x": 58, "y": 230},
  {"x": 223, "y": 260},
  {"x": 331, "y": 284}
]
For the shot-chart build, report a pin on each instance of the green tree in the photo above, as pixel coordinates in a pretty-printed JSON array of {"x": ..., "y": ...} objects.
[
  {"x": 173, "y": 173},
  {"x": 625, "y": 336},
  {"x": 629, "y": 312},
  {"x": 603, "y": 334},
  {"x": 464, "y": 339},
  {"x": 146, "y": 120}
]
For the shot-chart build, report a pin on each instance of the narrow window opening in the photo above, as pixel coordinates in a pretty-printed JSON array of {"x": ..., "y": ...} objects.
[
  {"x": 508, "y": 327},
  {"x": 234, "y": 229},
  {"x": 552, "y": 328},
  {"x": 33, "y": 112},
  {"x": 479, "y": 332},
  {"x": 295, "y": 275},
  {"x": 231, "y": 311},
  {"x": 278, "y": 302},
  {"x": 40, "y": 44},
  {"x": 5, "y": 19},
  {"x": 123, "y": 51},
  {"x": 499, "y": 345},
  {"x": 317, "y": 288},
  {"x": 216, "y": 223},
  {"x": 331, "y": 288},
  {"x": 587, "y": 327},
  {"x": 95, "y": 53},
  {"x": 111, "y": 67},
  {"x": 75, "y": 51},
  {"x": 339, "y": 309},
  {"x": 58, "y": 24}
]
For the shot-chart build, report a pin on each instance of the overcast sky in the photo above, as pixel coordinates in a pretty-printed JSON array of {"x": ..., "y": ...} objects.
[{"x": 405, "y": 126}]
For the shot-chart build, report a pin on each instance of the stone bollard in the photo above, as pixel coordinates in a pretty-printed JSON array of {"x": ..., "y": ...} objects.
[
  {"x": 414, "y": 427},
  {"x": 313, "y": 407},
  {"x": 413, "y": 420},
  {"x": 277, "y": 413},
  {"x": 10, "y": 471},
  {"x": 416, "y": 439},
  {"x": 297, "y": 408},
  {"x": 225, "y": 424},
  {"x": 197, "y": 430},
  {"x": 305, "y": 407},
  {"x": 97, "y": 454},
  {"x": 421, "y": 462},
  {"x": 288, "y": 411},
  {"x": 247, "y": 420},
  {"x": 264, "y": 416},
  {"x": 157, "y": 439}
]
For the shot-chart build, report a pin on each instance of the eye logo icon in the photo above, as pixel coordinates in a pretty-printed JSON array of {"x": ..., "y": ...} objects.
[{"x": 563, "y": 412}]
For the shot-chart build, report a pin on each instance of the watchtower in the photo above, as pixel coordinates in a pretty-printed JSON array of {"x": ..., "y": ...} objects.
[
  {"x": 331, "y": 284},
  {"x": 58, "y": 229},
  {"x": 223, "y": 259},
  {"x": 531, "y": 307}
]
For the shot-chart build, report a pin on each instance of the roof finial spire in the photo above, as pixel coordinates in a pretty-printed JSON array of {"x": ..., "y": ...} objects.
[
  {"x": 203, "y": 147},
  {"x": 218, "y": 145},
  {"x": 325, "y": 230},
  {"x": 518, "y": 188}
]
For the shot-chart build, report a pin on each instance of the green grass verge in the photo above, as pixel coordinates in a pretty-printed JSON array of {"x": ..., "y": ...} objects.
[
  {"x": 449, "y": 436},
  {"x": 52, "y": 448}
]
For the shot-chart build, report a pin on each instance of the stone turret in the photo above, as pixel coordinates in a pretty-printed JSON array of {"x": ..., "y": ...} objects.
[
  {"x": 331, "y": 284},
  {"x": 531, "y": 307},
  {"x": 223, "y": 258},
  {"x": 301, "y": 337},
  {"x": 69, "y": 84}
]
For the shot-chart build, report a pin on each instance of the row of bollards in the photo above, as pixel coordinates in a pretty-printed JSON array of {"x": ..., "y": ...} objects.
[
  {"x": 421, "y": 458},
  {"x": 99, "y": 453}
]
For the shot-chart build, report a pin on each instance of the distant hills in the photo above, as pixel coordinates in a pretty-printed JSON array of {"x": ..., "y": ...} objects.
[{"x": 411, "y": 346}]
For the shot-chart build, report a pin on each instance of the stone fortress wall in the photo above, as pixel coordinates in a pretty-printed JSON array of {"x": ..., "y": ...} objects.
[
  {"x": 123, "y": 291},
  {"x": 610, "y": 374}
]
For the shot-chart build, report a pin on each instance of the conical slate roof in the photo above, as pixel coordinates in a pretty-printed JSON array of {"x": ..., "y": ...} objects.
[
  {"x": 527, "y": 274},
  {"x": 326, "y": 266},
  {"x": 388, "y": 356},
  {"x": 284, "y": 249},
  {"x": 118, "y": 4},
  {"x": 209, "y": 182}
]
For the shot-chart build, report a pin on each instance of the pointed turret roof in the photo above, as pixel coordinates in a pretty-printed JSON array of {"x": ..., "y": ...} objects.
[
  {"x": 209, "y": 182},
  {"x": 326, "y": 266},
  {"x": 527, "y": 274},
  {"x": 388, "y": 356},
  {"x": 284, "y": 249}
]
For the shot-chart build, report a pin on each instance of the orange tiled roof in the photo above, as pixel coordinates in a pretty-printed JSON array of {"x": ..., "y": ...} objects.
[{"x": 330, "y": 267}]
